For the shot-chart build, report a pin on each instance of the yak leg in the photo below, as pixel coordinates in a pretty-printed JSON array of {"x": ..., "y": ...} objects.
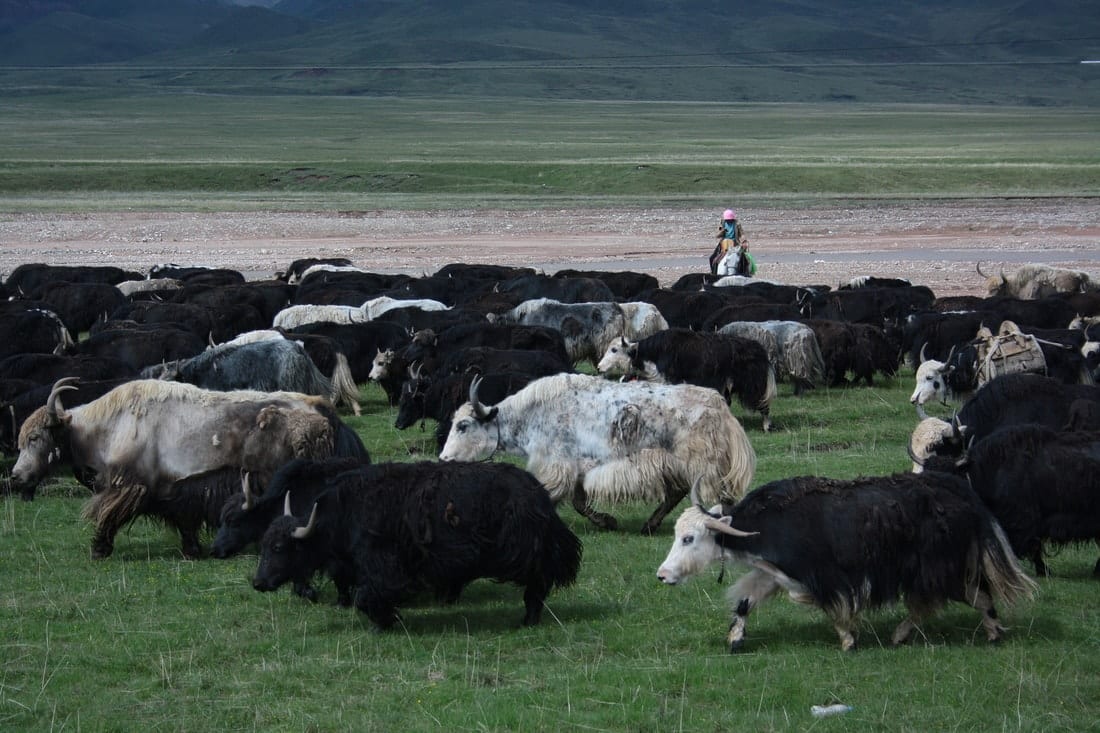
[
  {"x": 103, "y": 542},
  {"x": 533, "y": 597},
  {"x": 905, "y": 629},
  {"x": 580, "y": 503},
  {"x": 983, "y": 602},
  {"x": 845, "y": 629},
  {"x": 1096, "y": 568},
  {"x": 753, "y": 588},
  {"x": 189, "y": 541},
  {"x": 673, "y": 494},
  {"x": 766, "y": 414},
  {"x": 1037, "y": 558}
]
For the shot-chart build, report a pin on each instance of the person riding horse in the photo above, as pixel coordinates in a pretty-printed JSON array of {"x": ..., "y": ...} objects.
[{"x": 731, "y": 256}]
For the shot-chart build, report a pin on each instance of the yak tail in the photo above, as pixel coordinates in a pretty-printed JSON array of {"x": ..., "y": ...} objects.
[
  {"x": 741, "y": 459},
  {"x": 344, "y": 389},
  {"x": 561, "y": 553},
  {"x": 809, "y": 350},
  {"x": 1007, "y": 580},
  {"x": 534, "y": 540},
  {"x": 115, "y": 506}
]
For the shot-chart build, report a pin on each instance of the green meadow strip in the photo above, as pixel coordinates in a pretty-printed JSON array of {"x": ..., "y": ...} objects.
[{"x": 148, "y": 641}]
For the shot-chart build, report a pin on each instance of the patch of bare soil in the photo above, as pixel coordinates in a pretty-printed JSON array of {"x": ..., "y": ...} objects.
[{"x": 936, "y": 243}]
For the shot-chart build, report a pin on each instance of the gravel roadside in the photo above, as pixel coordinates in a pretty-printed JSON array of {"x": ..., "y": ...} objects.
[{"x": 937, "y": 243}]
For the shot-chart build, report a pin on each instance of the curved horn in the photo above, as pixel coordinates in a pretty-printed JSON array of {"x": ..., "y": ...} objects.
[
  {"x": 912, "y": 455},
  {"x": 415, "y": 369},
  {"x": 923, "y": 348},
  {"x": 55, "y": 411},
  {"x": 717, "y": 525},
  {"x": 286, "y": 506},
  {"x": 481, "y": 412},
  {"x": 302, "y": 533},
  {"x": 693, "y": 497},
  {"x": 978, "y": 267},
  {"x": 249, "y": 500}
]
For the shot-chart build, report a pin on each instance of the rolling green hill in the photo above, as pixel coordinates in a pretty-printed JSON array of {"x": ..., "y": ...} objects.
[{"x": 939, "y": 51}]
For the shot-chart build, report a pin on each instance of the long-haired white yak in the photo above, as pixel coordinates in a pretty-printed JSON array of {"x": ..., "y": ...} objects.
[{"x": 589, "y": 439}]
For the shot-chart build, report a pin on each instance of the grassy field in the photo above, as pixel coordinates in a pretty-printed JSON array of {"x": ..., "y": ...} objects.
[
  {"x": 147, "y": 641},
  {"x": 72, "y": 151}
]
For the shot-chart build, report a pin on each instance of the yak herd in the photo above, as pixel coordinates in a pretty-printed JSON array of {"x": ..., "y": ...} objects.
[{"x": 194, "y": 396}]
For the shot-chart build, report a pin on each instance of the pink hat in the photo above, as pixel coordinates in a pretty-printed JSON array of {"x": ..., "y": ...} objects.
[{"x": 729, "y": 215}]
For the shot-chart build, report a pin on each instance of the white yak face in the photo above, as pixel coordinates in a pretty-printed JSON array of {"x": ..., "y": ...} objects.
[
  {"x": 380, "y": 367},
  {"x": 930, "y": 384},
  {"x": 616, "y": 360},
  {"x": 37, "y": 451},
  {"x": 470, "y": 439},
  {"x": 927, "y": 440},
  {"x": 693, "y": 548}
]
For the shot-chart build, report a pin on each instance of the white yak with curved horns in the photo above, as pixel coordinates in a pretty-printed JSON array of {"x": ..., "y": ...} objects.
[{"x": 586, "y": 438}]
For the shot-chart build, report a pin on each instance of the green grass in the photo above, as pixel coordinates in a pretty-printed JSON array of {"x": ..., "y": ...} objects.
[
  {"x": 147, "y": 641},
  {"x": 98, "y": 150}
]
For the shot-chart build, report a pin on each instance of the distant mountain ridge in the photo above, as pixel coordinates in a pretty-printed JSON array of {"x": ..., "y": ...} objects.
[{"x": 970, "y": 51}]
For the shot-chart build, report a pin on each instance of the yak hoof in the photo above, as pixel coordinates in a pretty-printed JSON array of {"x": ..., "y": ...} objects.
[
  {"x": 737, "y": 645},
  {"x": 101, "y": 552},
  {"x": 604, "y": 521},
  {"x": 306, "y": 591}
]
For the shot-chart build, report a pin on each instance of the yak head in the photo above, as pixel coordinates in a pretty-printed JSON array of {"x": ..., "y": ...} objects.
[
  {"x": 618, "y": 358},
  {"x": 412, "y": 404},
  {"x": 40, "y": 439},
  {"x": 933, "y": 437},
  {"x": 695, "y": 542},
  {"x": 475, "y": 431},
  {"x": 931, "y": 380},
  {"x": 380, "y": 367},
  {"x": 243, "y": 519},
  {"x": 286, "y": 553},
  {"x": 994, "y": 284}
]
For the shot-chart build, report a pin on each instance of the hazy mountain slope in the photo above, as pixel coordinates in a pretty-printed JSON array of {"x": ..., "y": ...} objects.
[{"x": 979, "y": 51}]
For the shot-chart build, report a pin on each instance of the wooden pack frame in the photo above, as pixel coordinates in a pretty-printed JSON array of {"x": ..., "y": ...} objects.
[{"x": 1010, "y": 351}]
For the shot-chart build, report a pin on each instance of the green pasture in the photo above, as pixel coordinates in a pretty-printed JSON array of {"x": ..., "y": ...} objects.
[
  {"x": 146, "y": 641},
  {"x": 84, "y": 150}
]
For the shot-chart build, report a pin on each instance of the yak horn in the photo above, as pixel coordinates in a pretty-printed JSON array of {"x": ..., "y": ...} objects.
[
  {"x": 923, "y": 348},
  {"x": 717, "y": 525},
  {"x": 912, "y": 455},
  {"x": 55, "y": 411},
  {"x": 286, "y": 506},
  {"x": 693, "y": 496},
  {"x": 249, "y": 502},
  {"x": 481, "y": 412},
  {"x": 978, "y": 267},
  {"x": 302, "y": 533}
]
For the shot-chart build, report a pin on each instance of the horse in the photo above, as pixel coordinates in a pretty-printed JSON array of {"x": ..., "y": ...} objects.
[{"x": 736, "y": 262}]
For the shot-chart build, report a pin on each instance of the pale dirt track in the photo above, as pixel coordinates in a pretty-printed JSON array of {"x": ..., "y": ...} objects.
[{"x": 933, "y": 243}]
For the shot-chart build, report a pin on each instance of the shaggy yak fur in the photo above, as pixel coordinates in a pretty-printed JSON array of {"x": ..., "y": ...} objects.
[
  {"x": 144, "y": 436},
  {"x": 395, "y": 529},
  {"x": 585, "y": 437},
  {"x": 846, "y": 546}
]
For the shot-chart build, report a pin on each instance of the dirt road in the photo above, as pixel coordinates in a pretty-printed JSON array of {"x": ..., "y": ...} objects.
[{"x": 936, "y": 243}]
